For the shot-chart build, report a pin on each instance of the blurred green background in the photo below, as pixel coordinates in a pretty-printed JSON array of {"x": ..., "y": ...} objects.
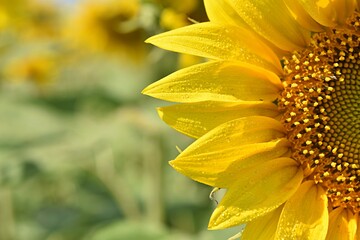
[{"x": 83, "y": 155}]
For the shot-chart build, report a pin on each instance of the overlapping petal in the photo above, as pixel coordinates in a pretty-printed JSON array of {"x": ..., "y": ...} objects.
[
  {"x": 305, "y": 214},
  {"x": 303, "y": 17},
  {"x": 217, "y": 157},
  {"x": 329, "y": 13},
  {"x": 262, "y": 228},
  {"x": 196, "y": 119},
  {"x": 342, "y": 225},
  {"x": 217, "y": 81},
  {"x": 281, "y": 28},
  {"x": 219, "y": 42},
  {"x": 259, "y": 190},
  {"x": 220, "y": 11}
]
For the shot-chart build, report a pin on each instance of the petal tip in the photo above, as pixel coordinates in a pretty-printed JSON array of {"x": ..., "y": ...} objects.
[
  {"x": 215, "y": 224},
  {"x": 144, "y": 91},
  {"x": 171, "y": 163},
  {"x": 147, "y": 90},
  {"x": 212, "y": 225},
  {"x": 149, "y": 40},
  {"x": 160, "y": 112},
  {"x": 175, "y": 165},
  {"x": 217, "y": 221}
]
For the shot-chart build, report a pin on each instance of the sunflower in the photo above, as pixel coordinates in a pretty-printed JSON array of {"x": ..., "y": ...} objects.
[{"x": 275, "y": 114}]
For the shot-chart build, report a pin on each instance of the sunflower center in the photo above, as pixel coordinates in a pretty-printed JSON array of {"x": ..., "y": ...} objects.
[{"x": 320, "y": 104}]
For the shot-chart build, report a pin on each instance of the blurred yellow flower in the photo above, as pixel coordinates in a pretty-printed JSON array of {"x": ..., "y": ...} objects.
[
  {"x": 10, "y": 12},
  {"x": 41, "y": 19},
  {"x": 275, "y": 113},
  {"x": 110, "y": 26},
  {"x": 4, "y": 18},
  {"x": 176, "y": 13},
  {"x": 30, "y": 18},
  {"x": 39, "y": 69},
  {"x": 171, "y": 19}
]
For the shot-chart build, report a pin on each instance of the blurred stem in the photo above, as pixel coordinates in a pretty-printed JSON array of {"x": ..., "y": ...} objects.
[
  {"x": 7, "y": 223},
  {"x": 105, "y": 169},
  {"x": 152, "y": 173}
]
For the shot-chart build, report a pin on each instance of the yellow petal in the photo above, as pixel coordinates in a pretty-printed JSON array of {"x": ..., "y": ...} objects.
[
  {"x": 263, "y": 228},
  {"x": 273, "y": 21},
  {"x": 217, "y": 81},
  {"x": 235, "y": 133},
  {"x": 219, "y": 42},
  {"x": 215, "y": 157},
  {"x": 220, "y": 168},
  {"x": 344, "y": 10},
  {"x": 329, "y": 13},
  {"x": 196, "y": 119},
  {"x": 357, "y": 236},
  {"x": 342, "y": 225},
  {"x": 222, "y": 12},
  {"x": 259, "y": 190},
  {"x": 302, "y": 17},
  {"x": 305, "y": 214}
]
